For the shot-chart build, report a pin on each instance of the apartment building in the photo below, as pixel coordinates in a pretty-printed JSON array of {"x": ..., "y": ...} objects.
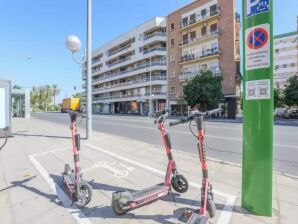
[
  {"x": 129, "y": 73},
  {"x": 285, "y": 58},
  {"x": 204, "y": 35}
]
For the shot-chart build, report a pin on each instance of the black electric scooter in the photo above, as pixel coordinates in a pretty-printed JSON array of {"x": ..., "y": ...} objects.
[{"x": 80, "y": 190}]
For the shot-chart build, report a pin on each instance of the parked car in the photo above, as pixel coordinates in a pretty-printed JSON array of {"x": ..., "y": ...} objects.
[
  {"x": 292, "y": 113},
  {"x": 280, "y": 113}
]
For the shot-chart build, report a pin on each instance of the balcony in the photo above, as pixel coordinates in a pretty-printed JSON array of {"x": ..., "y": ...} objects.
[
  {"x": 190, "y": 41},
  {"x": 163, "y": 49},
  {"x": 118, "y": 50},
  {"x": 132, "y": 82},
  {"x": 127, "y": 96},
  {"x": 142, "y": 66},
  {"x": 119, "y": 61},
  {"x": 184, "y": 76},
  {"x": 209, "y": 53},
  {"x": 95, "y": 60},
  {"x": 200, "y": 18},
  {"x": 158, "y": 34}
]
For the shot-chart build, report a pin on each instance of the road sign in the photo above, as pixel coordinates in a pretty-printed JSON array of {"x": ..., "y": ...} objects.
[
  {"x": 254, "y": 7},
  {"x": 257, "y": 47},
  {"x": 257, "y": 106}
]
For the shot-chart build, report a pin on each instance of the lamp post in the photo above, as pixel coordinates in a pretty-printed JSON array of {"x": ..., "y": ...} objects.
[
  {"x": 73, "y": 43},
  {"x": 141, "y": 38}
]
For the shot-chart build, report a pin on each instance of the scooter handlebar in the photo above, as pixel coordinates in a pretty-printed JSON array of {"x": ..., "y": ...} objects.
[{"x": 181, "y": 121}]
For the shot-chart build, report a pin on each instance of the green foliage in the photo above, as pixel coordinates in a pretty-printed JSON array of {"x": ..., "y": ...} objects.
[
  {"x": 204, "y": 90},
  {"x": 78, "y": 95},
  {"x": 291, "y": 92},
  {"x": 279, "y": 98},
  {"x": 17, "y": 87},
  {"x": 43, "y": 98}
]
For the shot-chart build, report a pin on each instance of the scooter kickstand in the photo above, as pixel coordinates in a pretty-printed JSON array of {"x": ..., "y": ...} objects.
[{"x": 174, "y": 199}]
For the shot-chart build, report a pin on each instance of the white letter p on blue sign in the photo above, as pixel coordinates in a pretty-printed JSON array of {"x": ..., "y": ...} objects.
[{"x": 254, "y": 7}]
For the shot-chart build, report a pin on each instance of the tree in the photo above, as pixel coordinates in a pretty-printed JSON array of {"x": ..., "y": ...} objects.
[
  {"x": 56, "y": 92},
  {"x": 16, "y": 86},
  {"x": 279, "y": 98},
  {"x": 291, "y": 92},
  {"x": 42, "y": 98},
  {"x": 204, "y": 90},
  {"x": 78, "y": 95}
]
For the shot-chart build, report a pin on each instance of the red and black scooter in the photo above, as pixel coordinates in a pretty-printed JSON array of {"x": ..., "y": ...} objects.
[
  {"x": 124, "y": 201},
  {"x": 207, "y": 206},
  {"x": 80, "y": 190}
]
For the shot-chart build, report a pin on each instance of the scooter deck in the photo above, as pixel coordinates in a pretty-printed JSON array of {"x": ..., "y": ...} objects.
[
  {"x": 70, "y": 180},
  {"x": 197, "y": 219},
  {"x": 148, "y": 191}
]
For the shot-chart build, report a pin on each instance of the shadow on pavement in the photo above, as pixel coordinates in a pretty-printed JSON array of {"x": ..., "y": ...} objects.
[{"x": 44, "y": 136}]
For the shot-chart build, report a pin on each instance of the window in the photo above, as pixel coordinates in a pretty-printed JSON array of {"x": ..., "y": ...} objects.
[
  {"x": 293, "y": 65},
  {"x": 185, "y": 39},
  {"x": 213, "y": 28},
  {"x": 284, "y": 65},
  {"x": 276, "y": 51},
  {"x": 213, "y": 10},
  {"x": 172, "y": 58},
  {"x": 172, "y": 26},
  {"x": 204, "y": 31},
  {"x": 173, "y": 74},
  {"x": 213, "y": 46},
  {"x": 173, "y": 90},
  {"x": 276, "y": 67},
  {"x": 193, "y": 35},
  {"x": 172, "y": 42},
  {"x": 185, "y": 21},
  {"x": 203, "y": 13},
  {"x": 192, "y": 19}
]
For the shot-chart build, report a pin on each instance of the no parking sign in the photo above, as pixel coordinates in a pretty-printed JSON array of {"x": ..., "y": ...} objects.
[{"x": 257, "y": 47}]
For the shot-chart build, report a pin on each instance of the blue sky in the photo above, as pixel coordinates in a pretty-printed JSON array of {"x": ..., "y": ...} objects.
[{"x": 37, "y": 29}]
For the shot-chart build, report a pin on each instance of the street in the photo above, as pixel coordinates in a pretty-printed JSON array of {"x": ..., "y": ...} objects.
[{"x": 223, "y": 139}]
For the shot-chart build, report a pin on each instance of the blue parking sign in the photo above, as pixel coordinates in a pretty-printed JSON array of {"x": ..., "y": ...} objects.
[{"x": 254, "y": 7}]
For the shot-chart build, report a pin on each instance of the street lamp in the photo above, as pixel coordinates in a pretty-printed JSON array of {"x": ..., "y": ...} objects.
[
  {"x": 141, "y": 38},
  {"x": 73, "y": 43}
]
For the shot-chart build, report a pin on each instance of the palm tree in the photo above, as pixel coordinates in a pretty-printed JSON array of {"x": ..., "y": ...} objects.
[{"x": 56, "y": 92}]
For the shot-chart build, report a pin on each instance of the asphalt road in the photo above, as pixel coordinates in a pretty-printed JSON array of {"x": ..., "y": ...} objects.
[{"x": 224, "y": 139}]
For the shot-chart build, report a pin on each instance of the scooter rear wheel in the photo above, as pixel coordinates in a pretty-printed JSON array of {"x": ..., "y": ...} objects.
[
  {"x": 116, "y": 202},
  {"x": 179, "y": 183},
  {"x": 210, "y": 207},
  {"x": 84, "y": 195}
]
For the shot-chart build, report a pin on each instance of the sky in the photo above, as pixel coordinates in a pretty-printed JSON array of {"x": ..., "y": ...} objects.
[{"x": 32, "y": 34}]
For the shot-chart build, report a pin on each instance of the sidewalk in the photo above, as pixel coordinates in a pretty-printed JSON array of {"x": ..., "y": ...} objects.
[{"x": 30, "y": 181}]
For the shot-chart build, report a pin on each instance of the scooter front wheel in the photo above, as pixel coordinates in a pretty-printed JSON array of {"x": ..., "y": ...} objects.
[
  {"x": 179, "y": 183},
  {"x": 84, "y": 195}
]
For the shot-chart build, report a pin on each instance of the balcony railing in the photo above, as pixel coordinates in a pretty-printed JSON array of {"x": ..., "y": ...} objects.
[
  {"x": 154, "y": 78},
  {"x": 193, "y": 40},
  {"x": 156, "y": 93},
  {"x": 119, "y": 61},
  {"x": 142, "y": 66},
  {"x": 158, "y": 34},
  {"x": 119, "y": 49},
  {"x": 206, "y": 53},
  {"x": 155, "y": 49},
  {"x": 200, "y": 18},
  {"x": 95, "y": 60},
  {"x": 188, "y": 75}
]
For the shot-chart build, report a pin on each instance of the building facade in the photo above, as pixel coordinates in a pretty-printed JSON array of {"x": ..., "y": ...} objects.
[
  {"x": 285, "y": 58},
  {"x": 204, "y": 35},
  {"x": 129, "y": 73}
]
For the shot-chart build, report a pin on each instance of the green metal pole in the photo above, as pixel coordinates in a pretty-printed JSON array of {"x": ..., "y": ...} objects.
[{"x": 258, "y": 106}]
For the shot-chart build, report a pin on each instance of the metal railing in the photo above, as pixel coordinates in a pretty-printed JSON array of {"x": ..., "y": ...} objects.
[
  {"x": 157, "y": 93},
  {"x": 118, "y": 50},
  {"x": 158, "y": 34},
  {"x": 155, "y": 49},
  {"x": 192, "y": 40},
  {"x": 188, "y": 75},
  {"x": 119, "y": 61}
]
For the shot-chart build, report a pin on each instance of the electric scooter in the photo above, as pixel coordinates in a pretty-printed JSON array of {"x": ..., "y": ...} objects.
[
  {"x": 3, "y": 134},
  {"x": 80, "y": 190},
  {"x": 207, "y": 206},
  {"x": 124, "y": 201}
]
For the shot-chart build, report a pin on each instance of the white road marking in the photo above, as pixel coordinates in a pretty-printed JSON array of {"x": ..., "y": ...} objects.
[
  {"x": 76, "y": 213},
  {"x": 186, "y": 132},
  {"x": 225, "y": 215}
]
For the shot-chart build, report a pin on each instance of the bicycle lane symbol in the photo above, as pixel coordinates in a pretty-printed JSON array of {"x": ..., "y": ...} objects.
[{"x": 257, "y": 38}]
